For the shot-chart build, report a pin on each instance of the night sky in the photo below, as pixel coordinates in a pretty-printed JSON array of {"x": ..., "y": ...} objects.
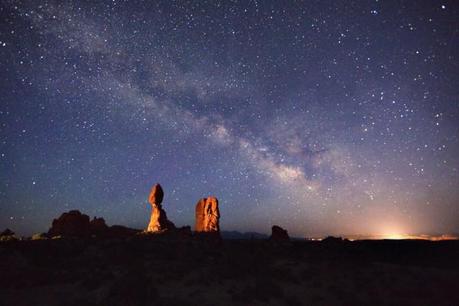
[{"x": 323, "y": 117}]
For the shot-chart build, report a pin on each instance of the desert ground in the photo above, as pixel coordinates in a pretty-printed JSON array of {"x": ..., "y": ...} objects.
[{"x": 161, "y": 270}]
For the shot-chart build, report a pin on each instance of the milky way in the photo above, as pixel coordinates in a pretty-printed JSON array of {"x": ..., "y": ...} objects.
[{"x": 323, "y": 117}]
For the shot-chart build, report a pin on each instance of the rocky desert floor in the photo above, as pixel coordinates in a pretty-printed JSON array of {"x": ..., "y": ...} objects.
[{"x": 155, "y": 270}]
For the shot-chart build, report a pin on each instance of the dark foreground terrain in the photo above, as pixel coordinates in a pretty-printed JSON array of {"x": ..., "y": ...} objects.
[{"x": 152, "y": 270}]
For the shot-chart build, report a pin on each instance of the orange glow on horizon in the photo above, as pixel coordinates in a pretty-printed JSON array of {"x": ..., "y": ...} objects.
[{"x": 397, "y": 236}]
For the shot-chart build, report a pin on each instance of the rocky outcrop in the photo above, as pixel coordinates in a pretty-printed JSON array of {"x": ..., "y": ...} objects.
[
  {"x": 184, "y": 231},
  {"x": 7, "y": 235},
  {"x": 158, "y": 219},
  {"x": 76, "y": 224},
  {"x": 7, "y": 232},
  {"x": 207, "y": 216},
  {"x": 98, "y": 227},
  {"x": 279, "y": 234},
  {"x": 333, "y": 240},
  {"x": 119, "y": 231},
  {"x": 72, "y": 223}
]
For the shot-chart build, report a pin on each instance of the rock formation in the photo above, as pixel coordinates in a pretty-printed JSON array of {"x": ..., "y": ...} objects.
[
  {"x": 76, "y": 224},
  {"x": 7, "y": 235},
  {"x": 279, "y": 234},
  {"x": 184, "y": 231},
  {"x": 97, "y": 226},
  {"x": 72, "y": 223},
  {"x": 207, "y": 215},
  {"x": 333, "y": 240},
  {"x": 158, "y": 219},
  {"x": 119, "y": 231},
  {"x": 7, "y": 232}
]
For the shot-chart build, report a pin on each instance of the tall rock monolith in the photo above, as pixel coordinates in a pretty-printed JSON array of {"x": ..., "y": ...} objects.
[{"x": 207, "y": 215}]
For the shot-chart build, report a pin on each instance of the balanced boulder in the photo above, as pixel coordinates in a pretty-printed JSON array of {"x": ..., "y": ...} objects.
[{"x": 158, "y": 218}]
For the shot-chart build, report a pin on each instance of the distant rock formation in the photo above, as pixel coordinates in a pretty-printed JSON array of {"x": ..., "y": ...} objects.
[
  {"x": 76, "y": 224},
  {"x": 7, "y": 235},
  {"x": 158, "y": 219},
  {"x": 207, "y": 216},
  {"x": 235, "y": 235},
  {"x": 97, "y": 226},
  {"x": 72, "y": 223},
  {"x": 333, "y": 240},
  {"x": 120, "y": 231},
  {"x": 279, "y": 234},
  {"x": 184, "y": 231},
  {"x": 7, "y": 232}
]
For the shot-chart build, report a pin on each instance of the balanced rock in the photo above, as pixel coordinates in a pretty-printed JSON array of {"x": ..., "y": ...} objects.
[
  {"x": 279, "y": 234},
  {"x": 72, "y": 223},
  {"x": 158, "y": 218},
  {"x": 207, "y": 215},
  {"x": 156, "y": 195}
]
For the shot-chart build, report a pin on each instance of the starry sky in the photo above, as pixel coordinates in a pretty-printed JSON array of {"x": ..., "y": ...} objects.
[{"x": 323, "y": 117}]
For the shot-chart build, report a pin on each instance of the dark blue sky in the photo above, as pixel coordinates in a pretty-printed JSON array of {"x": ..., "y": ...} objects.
[{"x": 324, "y": 117}]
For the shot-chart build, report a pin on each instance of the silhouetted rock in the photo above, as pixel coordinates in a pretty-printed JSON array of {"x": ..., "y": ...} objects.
[
  {"x": 121, "y": 231},
  {"x": 76, "y": 224},
  {"x": 332, "y": 240},
  {"x": 184, "y": 231},
  {"x": 98, "y": 226},
  {"x": 158, "y": 220},
  {"x": 242, "y": 236},
  {"x": 72, "y": 223},
  {"x": 207, "y": 215},
  {"x": 7, "y": 235},
  {"x": 279, "y": 234},
  {"x": 7, "y": 232}
]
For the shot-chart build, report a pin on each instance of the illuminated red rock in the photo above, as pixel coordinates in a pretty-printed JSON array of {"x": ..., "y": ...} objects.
[
  {"x": 158, "y": 219},
  {"x": 72, "y": 223},
  {"x": 156, "y": 195},
  {"x": 207, "y": 215},
  {"x": 279, "y": 234}
]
